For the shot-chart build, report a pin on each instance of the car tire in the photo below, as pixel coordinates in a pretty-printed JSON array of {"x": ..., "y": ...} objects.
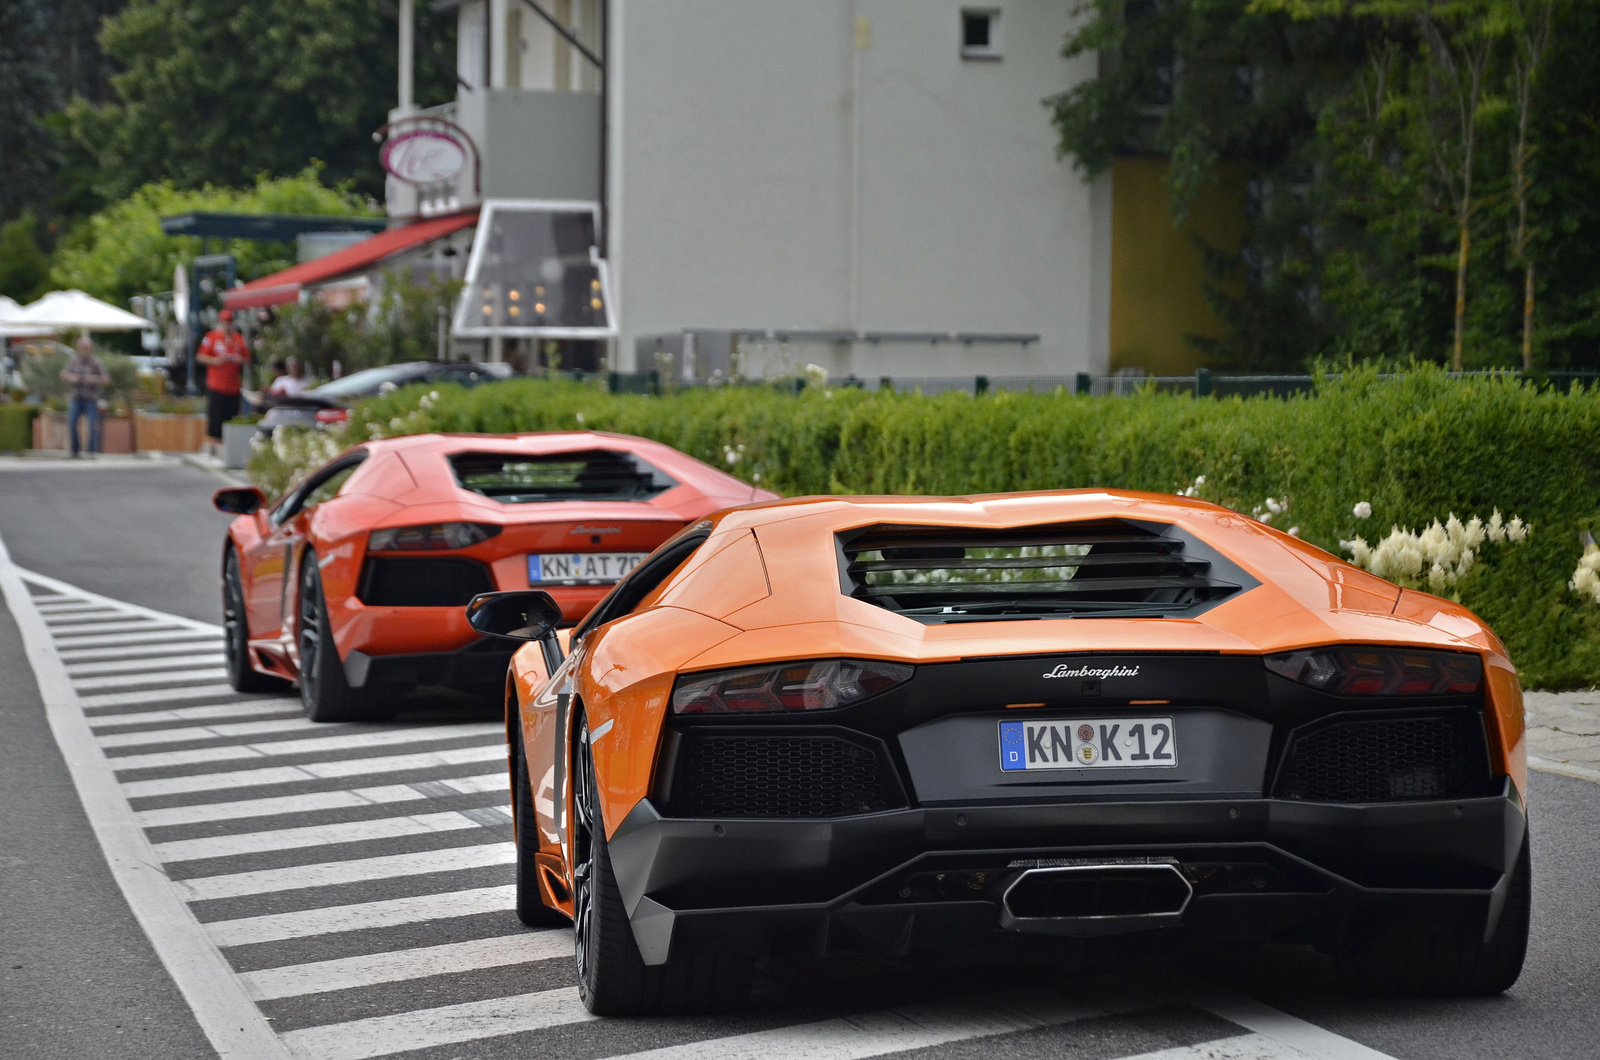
[
  {"x": 324, "y": 690},
  {"x": 531, "y": 909},
  {"x": 236, "y": 633},
  {"x": 613, "y": 979},
  {"x": 1421, "y": 953}
]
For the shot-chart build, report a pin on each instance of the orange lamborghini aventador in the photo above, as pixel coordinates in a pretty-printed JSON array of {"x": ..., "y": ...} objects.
[
  {"x": 1069, "y": 724},
  {"x": 353, "y": 582}
]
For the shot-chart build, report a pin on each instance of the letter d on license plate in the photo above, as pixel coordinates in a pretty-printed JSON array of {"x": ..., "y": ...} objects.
[{"x": 1088, "y": 743}]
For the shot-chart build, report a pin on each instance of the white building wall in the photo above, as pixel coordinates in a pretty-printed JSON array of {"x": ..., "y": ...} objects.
[{"x": 768, "y": 173}]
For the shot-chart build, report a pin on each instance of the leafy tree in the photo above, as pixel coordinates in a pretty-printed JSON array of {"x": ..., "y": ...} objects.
[
  {"x": 121, "y": 251},
  {"x": 29, "y": 91},
  {"x": 1531, "y": 22},
  {"x": 24, "y": 268},
  {"x": 217, "y": 92},
  {"x": 1387, "y": 146}
]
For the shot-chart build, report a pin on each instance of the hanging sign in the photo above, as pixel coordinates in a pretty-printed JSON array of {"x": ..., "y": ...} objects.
[{"x": 425, "y": 156}]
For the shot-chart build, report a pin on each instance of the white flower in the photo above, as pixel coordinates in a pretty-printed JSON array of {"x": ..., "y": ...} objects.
[
  {"x": 1586, "y": 579},
  {"x": 756, "y": 477},
  {"x": 1363, "y": 510},
  {"x": 1273, "y": 506},
  {"x": 580, "y": 419},
  {"x": 1293, "y": 531},
  {"x": 1439, "y": 555},
  {"x": 815, "y": 375},
  {"x": 1266, "y": 517},
  {"x": 730, "y": 454},
  {"x": 1199, "y": 480}
]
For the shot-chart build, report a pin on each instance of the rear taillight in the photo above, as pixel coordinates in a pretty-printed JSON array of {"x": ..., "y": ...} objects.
[
  {"x": 814, "y": 684},
  {"x": 333, "y": 415},
  {"x": 1381, "y": 671},
  {"x": 433, "y": 537}
]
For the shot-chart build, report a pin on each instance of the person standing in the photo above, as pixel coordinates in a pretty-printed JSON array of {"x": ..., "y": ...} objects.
[
  {"x": 87, "y": 376},
  {"x": 224, "y": 353},
  {"x": 292, "y": 383}
]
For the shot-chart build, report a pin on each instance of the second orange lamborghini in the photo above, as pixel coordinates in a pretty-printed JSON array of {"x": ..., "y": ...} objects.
[{"x": 1074, "y": 723}]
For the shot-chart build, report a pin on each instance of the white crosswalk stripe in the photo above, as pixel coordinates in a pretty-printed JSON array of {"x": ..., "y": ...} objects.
[
  {"x": 68, "y": 635},
  {"x": 223, "y": 846},
  {"x": 337, "y": 873},
  {"x": 216, "y": 711},
  {"x": 158, "y": 695},
  {"x": 274, "y": 927},
  {"x": 141, "y": 652},
  {"x": 893, "y": 1031},
  {"x": 148, "y": 666},
  {"x": 200, "y": 732},
  {"x": 1240, "y": 1047},
  {"x": 167, "y": 679},
  {"x": 72, "y": 647},
  {"x": 321, "y": 800},
  {"x": 398, "y": 965},
  {"x": 350, "y": 767},
  {"x": 449, "y": 1025},
  {"x": 171, "y": 663},
  {"x": 312, "y": 745}
]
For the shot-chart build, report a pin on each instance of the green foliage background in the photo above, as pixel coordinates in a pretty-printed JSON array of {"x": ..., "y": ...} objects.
[
  {"x": 121, "y": 251},
  {"x": 1417, "y": 447}
]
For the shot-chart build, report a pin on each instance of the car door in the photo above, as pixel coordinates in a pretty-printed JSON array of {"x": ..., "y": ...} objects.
[
  {"x": 272, "y": 560},
  {"x": 552, "y": 708}
]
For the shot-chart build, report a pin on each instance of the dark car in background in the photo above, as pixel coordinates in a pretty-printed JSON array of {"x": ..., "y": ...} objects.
[{"x": 330, "y": 403}]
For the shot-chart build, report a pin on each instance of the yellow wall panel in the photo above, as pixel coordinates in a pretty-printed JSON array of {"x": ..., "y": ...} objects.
[{"x": 1157, "y": 278}]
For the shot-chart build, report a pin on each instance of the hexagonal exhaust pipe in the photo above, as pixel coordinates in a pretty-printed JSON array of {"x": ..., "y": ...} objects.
[{"x": 1093, "y": 897}]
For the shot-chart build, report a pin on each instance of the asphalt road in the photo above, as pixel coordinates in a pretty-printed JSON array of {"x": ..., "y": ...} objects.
[{"x": 78, "y": 975}]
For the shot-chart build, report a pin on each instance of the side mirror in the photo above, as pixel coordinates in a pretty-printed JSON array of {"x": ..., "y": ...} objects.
[
  {"x": 238, "y": 500},
  {"x": 523, "y": 614}
]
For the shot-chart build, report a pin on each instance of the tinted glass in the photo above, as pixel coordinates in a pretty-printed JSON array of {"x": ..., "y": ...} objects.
[
  {"x": 535, "y": 272},
  {"x": 592, "y": 474}
]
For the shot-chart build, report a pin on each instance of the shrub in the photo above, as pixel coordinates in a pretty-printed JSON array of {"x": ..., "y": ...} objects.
[{"x": 1411, "y": 447}]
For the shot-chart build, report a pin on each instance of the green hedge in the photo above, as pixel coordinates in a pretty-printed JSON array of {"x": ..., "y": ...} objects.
[
  {"x": 1416, "y": 447},
  {"x": 16, "y": 426}
]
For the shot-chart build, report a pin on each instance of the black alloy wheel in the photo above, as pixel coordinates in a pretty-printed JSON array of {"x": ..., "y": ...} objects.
[
  {"x": 236, "y": 632},
  {"x": 531, "y": 909},
  {"x": 613, "y": 979},
  {"x": 324, "y": 691}
]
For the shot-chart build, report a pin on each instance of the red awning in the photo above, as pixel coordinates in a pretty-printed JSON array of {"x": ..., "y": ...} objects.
[{"x": 286, "y": 286}]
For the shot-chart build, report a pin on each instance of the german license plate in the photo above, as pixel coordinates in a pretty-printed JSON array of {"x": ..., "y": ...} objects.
[
  {"x": 1088, "y": 743},
  {"x": 581, "y": 568}
]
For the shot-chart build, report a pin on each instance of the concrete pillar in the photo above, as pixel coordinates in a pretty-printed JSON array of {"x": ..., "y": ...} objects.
[
  {"x": 407, "y": 56},
  {"x": 496, "y": 37}
]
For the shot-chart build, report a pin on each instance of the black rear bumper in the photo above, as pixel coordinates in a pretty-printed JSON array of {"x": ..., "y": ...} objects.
[
  {"x": 876, "y": 883},
  {"x": 479, "y": 668}
]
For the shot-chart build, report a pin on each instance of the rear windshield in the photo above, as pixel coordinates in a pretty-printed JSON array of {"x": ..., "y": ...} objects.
[
  {"x": 590, "y": 474},
  {"x": 957, "y": 574}
]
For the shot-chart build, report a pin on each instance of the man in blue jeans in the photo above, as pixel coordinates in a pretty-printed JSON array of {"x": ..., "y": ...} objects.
[{"x": 87, "y": 376}]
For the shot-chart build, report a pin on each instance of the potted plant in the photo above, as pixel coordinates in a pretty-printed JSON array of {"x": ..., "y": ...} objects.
[
  {"x": 171, "y": 425},
  {"x": 238, "y": 434}
]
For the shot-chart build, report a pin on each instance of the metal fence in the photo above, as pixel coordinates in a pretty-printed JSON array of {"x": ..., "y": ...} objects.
[{"x": 1203, "y": 383}]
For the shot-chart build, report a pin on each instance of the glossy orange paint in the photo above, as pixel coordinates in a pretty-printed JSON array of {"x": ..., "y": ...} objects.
[
  {"x": 408, "y": 482},
  {"x": 764, "y": 587}
]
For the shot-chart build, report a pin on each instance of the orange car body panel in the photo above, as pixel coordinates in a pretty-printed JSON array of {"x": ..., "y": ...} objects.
[
  {"x": 623, "y": 671},
  {"x": 407, "y": 482}
]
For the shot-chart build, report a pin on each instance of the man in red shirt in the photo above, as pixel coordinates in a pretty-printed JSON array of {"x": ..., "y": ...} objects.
[{"x": 224, "y": 354}]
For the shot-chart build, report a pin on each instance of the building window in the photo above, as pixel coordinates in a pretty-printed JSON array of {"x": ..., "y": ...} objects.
[{"x": 980, "y": 33}]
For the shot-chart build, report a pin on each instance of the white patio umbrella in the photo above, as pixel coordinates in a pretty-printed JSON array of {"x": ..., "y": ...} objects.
[
  {"x": 61, "y": 310},
  {"x": 8, "y": 312}
]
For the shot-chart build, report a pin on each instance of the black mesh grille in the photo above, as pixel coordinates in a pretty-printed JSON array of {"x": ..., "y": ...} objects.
[
  {"x": 423, "y": 582},
  {"x": 727, "y": 775},
  {"x": 1432, "y": 756}
]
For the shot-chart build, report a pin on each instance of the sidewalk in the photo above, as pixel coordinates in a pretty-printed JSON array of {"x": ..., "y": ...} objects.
[{"x": 1564, "y": 733}]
